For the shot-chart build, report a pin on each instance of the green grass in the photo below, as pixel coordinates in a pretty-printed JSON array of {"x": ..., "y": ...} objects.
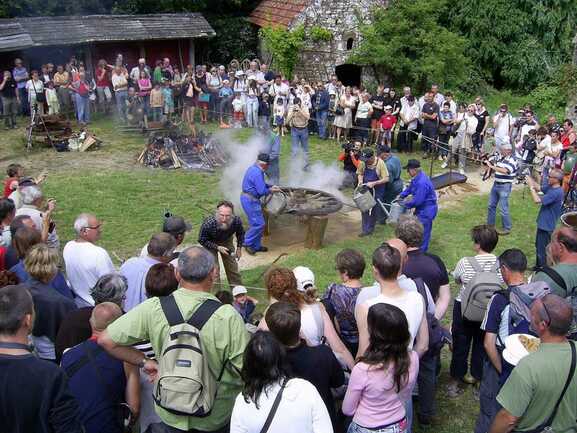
[{"x": 131, "y": 199}]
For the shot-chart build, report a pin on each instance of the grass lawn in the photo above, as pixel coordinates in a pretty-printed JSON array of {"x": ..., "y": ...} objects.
[{"x": 131, "y": 200}]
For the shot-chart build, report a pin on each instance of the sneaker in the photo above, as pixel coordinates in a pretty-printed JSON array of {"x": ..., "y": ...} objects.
[
  {"x": 262, "y": 249},
  {"x": 440, "y": 158},
  {"x": 444, "y": 164},
  {"x": 503, "y": 232},
  {"x": 470, "y": 379},
  {"x": 461, "y": 171},
  {"x": 362, "y": 235},
  {"x": 250, "y": 251}
]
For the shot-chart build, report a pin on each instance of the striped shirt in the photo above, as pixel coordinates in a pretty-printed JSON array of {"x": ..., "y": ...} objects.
[
  {"x": 510, "y": 164},
  {"x": 464, "y": 271}
]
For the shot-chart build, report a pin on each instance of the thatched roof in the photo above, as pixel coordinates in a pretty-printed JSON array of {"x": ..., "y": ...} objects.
[
  {"x": 21, "y": 33},
  {"x": 277, "y": 12}
]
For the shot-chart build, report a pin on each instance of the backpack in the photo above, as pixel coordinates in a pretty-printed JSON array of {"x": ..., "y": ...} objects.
[
  {"x": 479, "y": 290},
  {"x": 185, "y": 385},
  {"x": 436, "y": 332},
  {"x": 570, "y": 297}
]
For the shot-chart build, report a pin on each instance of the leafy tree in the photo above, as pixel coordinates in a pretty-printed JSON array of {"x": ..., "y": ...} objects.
[
  {"x": 284, "y": 45},
  {"x": 516, "y": 43},
  {"x": 407, "y": 43}
]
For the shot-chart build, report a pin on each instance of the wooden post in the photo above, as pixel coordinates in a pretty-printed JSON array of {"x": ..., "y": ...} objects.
[
  {"x": 316, "y": 227},
  {"x": 191, "y": 53}
]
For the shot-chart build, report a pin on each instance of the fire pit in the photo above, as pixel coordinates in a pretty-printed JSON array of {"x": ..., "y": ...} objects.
[{"x": 313, "y": 206}]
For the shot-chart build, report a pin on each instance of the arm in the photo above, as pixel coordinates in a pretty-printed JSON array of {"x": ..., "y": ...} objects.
[
  {"x": 490, "y": 344},
  {"x": 418, "y": 198},
  {"x": 443, "y": 301},
  {"x": 534, "y": 189},
  {"x": 239, "y": 235},
  {"x": 2, "y": 84},
  {"x": 205, "y": 235},
  {"x": 503, "y": 422},
  {"x": 132, "y": 394},
  {"x": 422, "y": 339},
  {"x": 354, "y": 391},
  {"x": 361, "y": 312},
  {"x": 334, "y": 341}
]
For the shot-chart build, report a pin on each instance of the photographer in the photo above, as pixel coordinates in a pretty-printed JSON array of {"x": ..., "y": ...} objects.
[
  {"x": 10, "y": 100},
  {"x": 505, "y": 172},
  {"x": 350, "y": 157},
  {"x": 298, "y": 120},
  {"x": 35, "y": 89},
  {"x": 372, "y": 173}
]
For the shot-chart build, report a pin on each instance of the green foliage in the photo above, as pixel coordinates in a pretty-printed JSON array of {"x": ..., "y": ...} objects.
[
  {"x": 236, "y": 39},
  {"x": 516, "y": 43},
  {"x": 320, "y": 34},
  {"x": 284, "y": 45},
  {"x": 408, "y": 44}
]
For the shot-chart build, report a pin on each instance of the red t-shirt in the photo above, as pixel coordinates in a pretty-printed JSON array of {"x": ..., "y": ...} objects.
[
  {"x": 105, "y": 81},
  {"x": 388, "y": 121},
  {"x": 7, "y": 189}
]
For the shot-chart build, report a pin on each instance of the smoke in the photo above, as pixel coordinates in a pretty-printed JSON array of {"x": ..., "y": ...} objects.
[{"x": 241, "y": 155}]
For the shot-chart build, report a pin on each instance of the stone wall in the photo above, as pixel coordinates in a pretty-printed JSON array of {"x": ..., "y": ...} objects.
[{"x": 342, "y": 18}]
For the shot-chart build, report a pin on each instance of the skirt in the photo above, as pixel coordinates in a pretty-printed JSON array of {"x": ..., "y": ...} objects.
[{"x": 345, "y": 120}]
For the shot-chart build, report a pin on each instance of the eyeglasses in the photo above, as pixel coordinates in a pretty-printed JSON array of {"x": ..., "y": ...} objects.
[
  {"x": 548, "y": 320},
  {"x": 94, "y": 227}
]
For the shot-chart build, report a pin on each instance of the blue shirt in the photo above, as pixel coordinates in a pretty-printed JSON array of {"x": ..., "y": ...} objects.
[
  {"x": 272, "y": 146},
  {"x": 423, "y": 192},
  {"x": 21, "y": 76},
  {"x": 551, "y": 204},
  {"x": 135, "y": 270},
  {"x": 253, "y": 182},
  {"x": 58, "y": 282},
  {"x": 394, "y": 168},
  {"x": 225, "y": 92}
]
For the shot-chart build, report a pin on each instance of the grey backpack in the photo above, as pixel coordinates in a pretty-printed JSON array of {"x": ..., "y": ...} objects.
[
  {"x": 479, "y": 290},
  {"x": 185, "y": 385}
]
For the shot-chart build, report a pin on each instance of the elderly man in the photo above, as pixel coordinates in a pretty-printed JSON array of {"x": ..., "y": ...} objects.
[
  {"x": 430, "y": 121},
  {"x": 541, "y": 393},
  {"x": 216, "y": 235},
  {"x": 32, "y": 202},
  {"x": 372, "y": 173},
  {"x": 175, "y": 226},
  {"x": 35, "y": 392},
  {"x": 20, "y": 74},
  {"x": 223, "y": 338},
  {"x": 321, "y": 101},
  {"x": 424, "y": 199},
  {"x": 254, "y": 188},
  {"x": 160, "y": 250},
  {"x": 86, "y": 262},
  {"x": 505, "y": 174},
  {"x": 551, "y": 202}
]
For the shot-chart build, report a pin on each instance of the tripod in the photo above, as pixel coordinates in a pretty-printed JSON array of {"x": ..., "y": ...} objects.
[{"x": 35, "y": 117}]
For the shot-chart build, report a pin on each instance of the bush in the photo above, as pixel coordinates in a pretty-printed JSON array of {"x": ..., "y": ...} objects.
[
  {"x": 320, "y": 34},
  {"x": 284, "y": 45}
]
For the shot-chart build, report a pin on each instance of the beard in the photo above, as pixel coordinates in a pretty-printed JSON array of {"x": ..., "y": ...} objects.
[{"x": 224, "y": 226}]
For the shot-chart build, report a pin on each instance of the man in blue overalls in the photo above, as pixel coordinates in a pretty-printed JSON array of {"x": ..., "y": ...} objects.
[
  {"x": 424, "y": 199},
  {"x": 253, "y": 188},
  {"x": 395, "y": 184},
  {"x": 373, "y": 173}
]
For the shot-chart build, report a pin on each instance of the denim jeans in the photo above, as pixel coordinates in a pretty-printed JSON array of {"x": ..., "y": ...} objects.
[
  {"x": 23, "y": 94},
  {"x": 541, "y": 241},
  {"x": 120, "y": 97},
  {"x": 252, "y": 112},
  {"x": 82, "y": 108},
  {"x": 10, "y": 110},
  {"x": 488, "y": 391},
  {"x": 500, "y": 197},
  {"x": 264, "y": 122},
  {"x": 321, "y": 117},
  {"x": 427, "y": 382},
  {"x": 300, "y": 141},
  {"x": 400, "y": 427}
]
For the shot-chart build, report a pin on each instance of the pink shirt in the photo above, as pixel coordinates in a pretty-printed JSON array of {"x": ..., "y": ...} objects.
[{"x": 372, "y": 396}]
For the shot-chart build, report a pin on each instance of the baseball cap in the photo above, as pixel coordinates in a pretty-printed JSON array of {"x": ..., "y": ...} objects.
[
  {"x": 264, "y": 157},
  {"x": 239, "y": 290},
  {"x": 412, "y": 163},
  {"x": 304, "y": 277},
  {"x": 367, "y": 154},
  {"x": 175, "y": 224}
]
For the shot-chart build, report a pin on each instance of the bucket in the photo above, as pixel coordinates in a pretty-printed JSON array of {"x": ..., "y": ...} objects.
[
  {"x": 275, "y": 203},
  {"x": 569, "y": 219},
  {"x": 395, "y": 212},
  {"x": 363, "y": 198}
]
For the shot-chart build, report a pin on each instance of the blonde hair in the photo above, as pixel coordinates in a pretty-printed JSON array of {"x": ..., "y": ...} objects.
[{"x": 41, "y": 263}]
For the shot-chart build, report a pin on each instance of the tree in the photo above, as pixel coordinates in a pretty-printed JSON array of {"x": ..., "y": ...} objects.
[
  {"x": 407, "y": 43},
  {"x": 516, "y": 43},
  {"x": 284, "y": 45}
]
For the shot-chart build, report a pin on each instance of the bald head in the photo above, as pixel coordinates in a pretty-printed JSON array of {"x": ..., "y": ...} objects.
[
  {"x": 401, "y": 247},
  {"x": 553, "y": 311},
  {"x": 103, "y": 315},
  {"x": 563, "y": 246}
]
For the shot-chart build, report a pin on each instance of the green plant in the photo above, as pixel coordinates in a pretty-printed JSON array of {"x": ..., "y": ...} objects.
[
  {"x": 320, "y": 34},
  {"x": 284, "y": 45}
]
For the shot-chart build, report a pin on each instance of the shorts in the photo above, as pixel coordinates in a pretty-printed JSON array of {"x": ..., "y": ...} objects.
[
  {"x": 279, "y": 120},
  {"x": 189, "y": 102},
  {"x": 375, "y": 123}
]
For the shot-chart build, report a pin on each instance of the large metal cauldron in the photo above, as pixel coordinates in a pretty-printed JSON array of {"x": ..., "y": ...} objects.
[{"x": 302, "y": 201}]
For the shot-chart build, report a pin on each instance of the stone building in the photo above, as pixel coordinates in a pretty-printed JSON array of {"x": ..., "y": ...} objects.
[{"x": 322, "y": 58}]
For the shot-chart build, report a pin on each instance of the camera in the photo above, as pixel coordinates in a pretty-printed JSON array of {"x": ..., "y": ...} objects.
[{"x": 348, "y": 146}]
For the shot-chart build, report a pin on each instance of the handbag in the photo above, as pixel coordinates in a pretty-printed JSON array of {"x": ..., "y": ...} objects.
[
  {"x": 204, "y": 97},
  {"x": 274, "y": 407},
  {"x": 546, "y": 426},
  {"x": 339, "y": 111}
]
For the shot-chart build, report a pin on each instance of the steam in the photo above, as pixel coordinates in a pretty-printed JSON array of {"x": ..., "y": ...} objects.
[{"x": 241, "y": 155}]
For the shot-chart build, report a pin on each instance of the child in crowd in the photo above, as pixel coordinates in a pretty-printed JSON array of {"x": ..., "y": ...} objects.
[
  {"x": 225, "y": 95},
  {"x": 264, "y": 112},
  {"x": 446, "y": 121},
  {"x": 238, "y": 110},
  {"x": 14, "y": 173},
  {"x": 168, "y": 98},
  {"x": 156, "y": 102},
  {"x": 243, "y": 303},
  {"x": 144, "y": 88},
  {"x": 52, "y": 99},
  {"x": 388, "y": 121},
  {"x": 279, "y": 115}
]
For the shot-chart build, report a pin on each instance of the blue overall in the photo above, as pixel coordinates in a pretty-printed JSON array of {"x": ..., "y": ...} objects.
[
  {"x": 369, "y": 218},
  {"x": 253, "y": 188},
  {"x": 424, "y": 202},
  {"x": 393, "y": 187}
]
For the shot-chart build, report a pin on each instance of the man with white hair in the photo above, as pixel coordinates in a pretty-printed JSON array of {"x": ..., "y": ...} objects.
[
  {"x": 505, "y": 173},
  {"x": 135, "y": 72},
  {"x": 86, "y": 262},
  {"x": 32, "y": 201},
  {"x": 160, "y": 250}
]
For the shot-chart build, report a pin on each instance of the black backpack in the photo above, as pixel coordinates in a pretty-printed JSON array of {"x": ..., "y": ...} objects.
[{"x": 436, "y": 331}]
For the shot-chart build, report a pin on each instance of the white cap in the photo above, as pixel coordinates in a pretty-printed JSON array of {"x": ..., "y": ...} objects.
[
  {"x": 304, "y": 276},
  {"x": 239, "y": 290}
]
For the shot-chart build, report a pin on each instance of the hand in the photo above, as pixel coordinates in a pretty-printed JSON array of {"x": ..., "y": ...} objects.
[
  {"x": 151, "y": 369},
  {"x": 275, "y": 188},
  {"x": 223, "y": 250},
  {"x": 352, "y": 154},
  {"x": 238, "y": 253},
  {"x": 51, "y": 205},
  {"x": 370, "y": 184}
]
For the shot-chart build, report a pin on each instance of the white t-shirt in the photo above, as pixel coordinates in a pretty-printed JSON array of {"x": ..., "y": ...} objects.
[
  {"x": 301, "y": 410},
  {"x": 502, "y": 125},
  {"x": 411, "y": 303},
  {"x": 312, "y": 328},
  {"x": 85, "y": 264},
  {"x": 36, "y": 216},
  {"x": 464, "y": 271}
]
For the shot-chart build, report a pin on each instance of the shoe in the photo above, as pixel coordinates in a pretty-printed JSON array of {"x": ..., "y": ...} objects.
[
  {"x": 262, "y": 250},
  {"x": 440, "y": 158},
  {"x": 470, "y": 379},
  {"x": 503, "y": 232},
  {"x": 362, "y": 235},
  {"x": 250, "y": 251},
  {"x": 425, "y": 156},
  {"x": 425, "y": 420},
  {"x": 461, "y": 171},
  {"x": 444, "y": 165}
]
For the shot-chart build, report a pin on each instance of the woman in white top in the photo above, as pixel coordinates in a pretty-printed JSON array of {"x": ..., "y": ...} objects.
[
  {"x": 300, "y": 408},
  {"x": 316, "y": 324},
  {"x": 344, "y": 120},
  {"x": 35, "y": 88},
  {"x": 466, "y": 333},
  {"x": 363, "y": 117}
]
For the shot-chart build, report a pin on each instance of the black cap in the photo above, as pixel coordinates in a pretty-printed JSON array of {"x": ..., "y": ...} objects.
[
  {"x": 26, "y": 181},
  {"x": 264, "y": 157},
  {"x": 383, "y": 148},
  {"x": 175, "y": 225},
  {"x": 367, "y": 154},
  {"x": 412, "y": 163}
]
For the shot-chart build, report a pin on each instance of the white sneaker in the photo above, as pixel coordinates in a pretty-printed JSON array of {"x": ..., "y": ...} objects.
[
  {"x": 461, "y": 171},
  {"x": 444, "y": 164}
]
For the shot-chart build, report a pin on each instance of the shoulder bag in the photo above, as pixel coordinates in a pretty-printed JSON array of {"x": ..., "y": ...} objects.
[
  {"x": 546, "y": 426},
  {"x": 274, "y": 408}
]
